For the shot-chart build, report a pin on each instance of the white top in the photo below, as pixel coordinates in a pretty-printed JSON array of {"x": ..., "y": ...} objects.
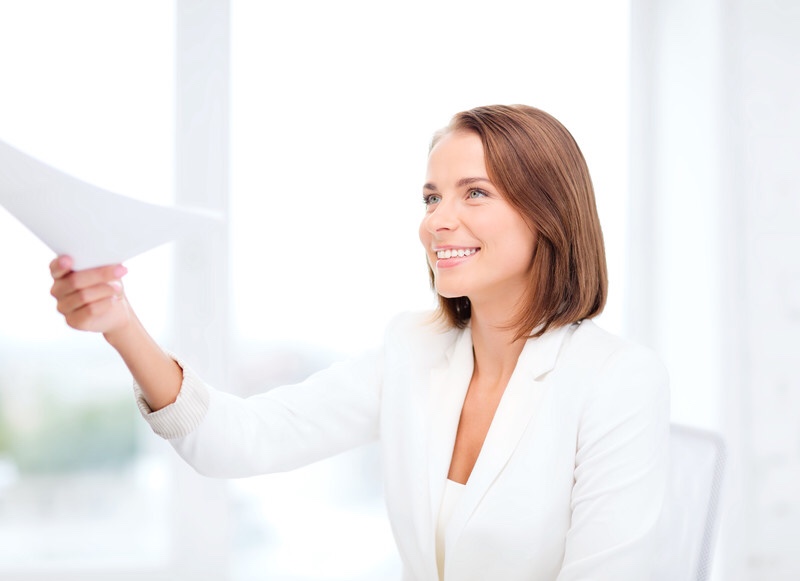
[{"x": 452, "y": 494}]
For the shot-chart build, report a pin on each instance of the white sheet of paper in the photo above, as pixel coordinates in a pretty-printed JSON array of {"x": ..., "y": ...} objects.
[{"x": 94, "y": 226}]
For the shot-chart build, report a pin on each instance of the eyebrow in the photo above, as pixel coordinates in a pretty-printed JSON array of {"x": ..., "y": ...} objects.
[{"x": 460, "y": 183}]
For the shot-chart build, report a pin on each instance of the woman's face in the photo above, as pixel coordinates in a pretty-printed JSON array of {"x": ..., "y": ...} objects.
[{"x": 477, "y": 244}]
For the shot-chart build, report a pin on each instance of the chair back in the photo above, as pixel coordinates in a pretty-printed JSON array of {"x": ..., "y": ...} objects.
[{"x": 688, "y": 522}]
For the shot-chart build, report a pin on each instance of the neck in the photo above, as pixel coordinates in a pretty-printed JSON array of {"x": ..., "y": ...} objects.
[{"x": 495, "y": 350}]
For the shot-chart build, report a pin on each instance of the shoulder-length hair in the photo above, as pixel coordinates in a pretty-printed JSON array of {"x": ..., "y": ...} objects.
[{"x": 539, "y": 168}]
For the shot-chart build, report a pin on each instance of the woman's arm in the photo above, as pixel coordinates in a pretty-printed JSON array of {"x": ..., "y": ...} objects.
[
  {"x": 94, "y": 300},
  {"x": 217, "y": 433},
  {"x": 620, "y": 471}
]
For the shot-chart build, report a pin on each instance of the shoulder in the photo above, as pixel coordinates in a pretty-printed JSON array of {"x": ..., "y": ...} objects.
[
  {"x": 608, "y": 363},
  {"x": 592, "y": 345}
]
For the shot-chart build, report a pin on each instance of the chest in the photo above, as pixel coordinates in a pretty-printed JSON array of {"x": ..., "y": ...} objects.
[
  {"x": 477, "y": 413},
  {"x": 517, "y": 500}
]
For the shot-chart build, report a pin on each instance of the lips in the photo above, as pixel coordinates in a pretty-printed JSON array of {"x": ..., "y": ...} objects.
[{"x": 453, "y": 257}]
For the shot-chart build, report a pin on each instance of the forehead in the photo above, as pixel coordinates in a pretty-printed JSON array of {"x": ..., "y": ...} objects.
[{"x": 456, "y": 154}]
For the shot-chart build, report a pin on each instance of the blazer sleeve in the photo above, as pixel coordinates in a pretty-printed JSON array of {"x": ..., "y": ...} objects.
[
  {"x": 620, "y": 471},
  {"x": 222, "y": 435}
]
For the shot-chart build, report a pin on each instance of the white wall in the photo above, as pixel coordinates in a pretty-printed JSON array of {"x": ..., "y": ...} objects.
[
  {"x": 716, "y": 87},
  {"x": 764, "y": 277}
]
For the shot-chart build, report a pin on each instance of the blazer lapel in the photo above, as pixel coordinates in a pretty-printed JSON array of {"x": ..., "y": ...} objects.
[
  {"x": 518, "y": 406},
  {"x": 448, "y": 388}
]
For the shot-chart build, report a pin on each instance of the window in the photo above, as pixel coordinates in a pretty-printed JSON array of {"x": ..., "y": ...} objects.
[{"x": 81, "y": 486}]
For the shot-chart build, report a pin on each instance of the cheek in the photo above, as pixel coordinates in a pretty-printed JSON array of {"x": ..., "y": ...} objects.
[
  {"x": 518, "y": 243},
  {"x": 514, "y": 231},
  {"x": 533, "y": 240},
  {"x": 424, "y": 235},
  {"x": 426, "y": 239}
]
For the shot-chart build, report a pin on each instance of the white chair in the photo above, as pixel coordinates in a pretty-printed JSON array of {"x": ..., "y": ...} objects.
[{"x": 688, "y": 523}]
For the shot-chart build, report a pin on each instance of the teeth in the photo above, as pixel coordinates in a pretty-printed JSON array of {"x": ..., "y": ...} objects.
[{"x": 453, "y": 253}]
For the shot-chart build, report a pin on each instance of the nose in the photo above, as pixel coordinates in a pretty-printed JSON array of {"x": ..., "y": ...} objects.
[{"x": 442, "y": 216}]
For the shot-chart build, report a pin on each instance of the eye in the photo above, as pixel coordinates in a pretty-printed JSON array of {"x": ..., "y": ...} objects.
[
  {"x": 475, "y": 193},
  {"x": 429, "y": 199}
]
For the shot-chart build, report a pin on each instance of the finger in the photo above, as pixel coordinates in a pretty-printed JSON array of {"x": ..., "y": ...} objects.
[
  {"x": 82, "y": 279},
  {"x": 83, "y": 297},
  {"x": 87, "y": 317},
  {"x": 60, "y": 266}
]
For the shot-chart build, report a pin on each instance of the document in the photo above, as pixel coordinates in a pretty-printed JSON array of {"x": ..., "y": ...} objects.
[{"x": 94, "y": 226}]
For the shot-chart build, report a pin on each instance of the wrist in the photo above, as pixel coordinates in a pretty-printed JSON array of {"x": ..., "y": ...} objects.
[{"x": 120, "y": 336}]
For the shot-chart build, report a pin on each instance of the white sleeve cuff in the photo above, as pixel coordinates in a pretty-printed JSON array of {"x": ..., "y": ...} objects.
[{"x": 181, "y": 417}]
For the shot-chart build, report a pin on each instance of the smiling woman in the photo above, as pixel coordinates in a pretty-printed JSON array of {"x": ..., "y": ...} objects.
[
  {"x": 539, "y": 211},
  {"x": 499, "y": 434},
  {"x": 478, "y": 245}
]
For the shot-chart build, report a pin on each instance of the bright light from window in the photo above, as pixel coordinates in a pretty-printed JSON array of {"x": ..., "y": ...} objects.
[{"x": 88, "y": 88}]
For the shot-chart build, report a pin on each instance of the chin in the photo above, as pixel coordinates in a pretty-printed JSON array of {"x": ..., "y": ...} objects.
[{"x": 450, "y": 293}]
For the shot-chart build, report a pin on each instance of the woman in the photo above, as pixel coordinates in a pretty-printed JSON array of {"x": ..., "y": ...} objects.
[{"x": 519, "y": 440}]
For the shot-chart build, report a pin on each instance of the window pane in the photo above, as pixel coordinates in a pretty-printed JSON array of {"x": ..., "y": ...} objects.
[{"x": 88, "y": 88}]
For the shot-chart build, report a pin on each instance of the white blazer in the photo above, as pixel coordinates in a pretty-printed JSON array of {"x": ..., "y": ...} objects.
[{"x": 568, "y": 485}]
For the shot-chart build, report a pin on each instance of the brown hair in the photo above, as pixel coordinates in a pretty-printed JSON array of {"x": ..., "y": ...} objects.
[{"x": 539, "y": 168}]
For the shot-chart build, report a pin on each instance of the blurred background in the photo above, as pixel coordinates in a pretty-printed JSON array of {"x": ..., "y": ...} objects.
[{"x": 307, "y": 125}]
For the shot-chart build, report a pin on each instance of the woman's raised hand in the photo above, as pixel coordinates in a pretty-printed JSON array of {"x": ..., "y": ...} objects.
[{"x": 92, "y": 299}]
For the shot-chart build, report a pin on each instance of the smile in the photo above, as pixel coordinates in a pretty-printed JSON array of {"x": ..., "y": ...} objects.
[{"x": 455, "y": 252}]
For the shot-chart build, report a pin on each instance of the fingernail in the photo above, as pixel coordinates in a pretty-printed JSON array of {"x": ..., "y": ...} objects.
[
  {"x": 120, "y": 271},
  {"x": 116, "y": 285}
]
